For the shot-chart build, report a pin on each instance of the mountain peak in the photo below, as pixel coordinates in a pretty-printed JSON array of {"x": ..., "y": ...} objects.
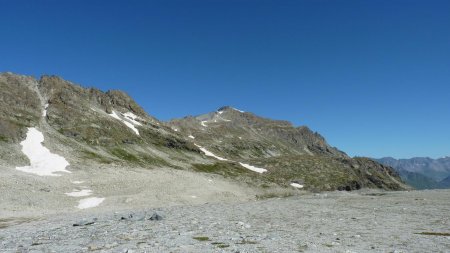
[{"x": 228, "y": 108}]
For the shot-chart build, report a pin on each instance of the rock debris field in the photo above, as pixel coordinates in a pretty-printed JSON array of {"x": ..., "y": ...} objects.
[{"x": 363, "y": 221}]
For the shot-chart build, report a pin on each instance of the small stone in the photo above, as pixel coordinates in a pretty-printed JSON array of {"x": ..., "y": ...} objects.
[
  {"x": 94, "y": 247},
  {"x": 156, "y": 216},
  {"x": 85, "y": 222},
  {"x": 127, "y": 217}
]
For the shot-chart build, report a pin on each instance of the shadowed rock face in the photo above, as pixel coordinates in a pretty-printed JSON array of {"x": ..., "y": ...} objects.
[
  {"x": 20, "y": 106},
  {"x": 91, "y": 126}
]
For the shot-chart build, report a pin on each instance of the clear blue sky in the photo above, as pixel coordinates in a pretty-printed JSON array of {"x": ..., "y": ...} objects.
[{"x": 373, "y": 77}]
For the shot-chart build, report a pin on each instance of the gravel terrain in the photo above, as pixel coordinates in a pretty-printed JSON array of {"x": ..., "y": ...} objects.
[
  {"x": 24, "y": 195},
  {"x": 363, "y": 221}
]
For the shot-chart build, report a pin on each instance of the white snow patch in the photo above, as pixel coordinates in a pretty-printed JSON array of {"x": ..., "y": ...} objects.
[
  {"x": 77, "y": 193},
  {"x": 130, "y": 115},
  {"x": 192, "y": 137},
  {"x": 296, "y": 185},
  {"x": 92, "y": 109},
  {"x": 44, "y": 113},
  {"x": 114, "y": 115},
  {"x": 207, "y": 153},
  {"x": 77, "y": 182},
  {"x": 307, "y": 151},
  {"x": 132, "y": 118},
  {"x": 42, "y": 161},
  {"x": 240, "y": 138},
  {"x": 90, "y": 202},
  {"x": 237, "y": 110},
  {"x": 131, "y": 126},
  {"x": 174, "y": 129},
  {"x": 128, "y": 124},
  {"x": 203, "y": 123},
  {"x": 220, "y": 112},
  {"x": 247, "y": 166},
  {"x": 193, "y": 196},
  {"x": 253, "y": 168}
]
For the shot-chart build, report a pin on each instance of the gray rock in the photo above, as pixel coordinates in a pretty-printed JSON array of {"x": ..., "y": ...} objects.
[
  {"x": 156, "y": 216},
  {"x": 85, "y": 222}
]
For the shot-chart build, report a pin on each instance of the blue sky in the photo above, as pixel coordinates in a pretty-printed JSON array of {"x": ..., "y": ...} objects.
[{"x": 373, "y": 77}]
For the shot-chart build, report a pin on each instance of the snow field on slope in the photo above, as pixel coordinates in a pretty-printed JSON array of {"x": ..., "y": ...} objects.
[{"x": 42, "y": 161}]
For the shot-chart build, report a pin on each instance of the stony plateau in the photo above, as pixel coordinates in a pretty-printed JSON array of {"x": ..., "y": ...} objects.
[{"x": 358, "y": 221}]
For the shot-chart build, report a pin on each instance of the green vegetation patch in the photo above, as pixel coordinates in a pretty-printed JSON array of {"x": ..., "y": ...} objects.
[
  {"x": 3, "y": 138},
  {"x": 269, "y": 195},
  {"x": 220, "y": 244},
  {"x": 124, "y": 155},
  {"x": 94, "y": 156},
  {"x": 138, "y": 158},
  {"x": 222, "y": 168},
  {"x": 433, "y": 233},
  {"x": 201, "y": 238},
  {"x": 150, "y": 160}
]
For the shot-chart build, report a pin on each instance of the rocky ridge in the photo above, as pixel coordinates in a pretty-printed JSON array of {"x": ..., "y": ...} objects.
[{"x": 287, "y": 153}]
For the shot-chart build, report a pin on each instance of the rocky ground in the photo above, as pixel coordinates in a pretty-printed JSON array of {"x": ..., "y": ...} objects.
[
  {"x": 24, "y": 194},
  {"x": 362, "y": 221}
]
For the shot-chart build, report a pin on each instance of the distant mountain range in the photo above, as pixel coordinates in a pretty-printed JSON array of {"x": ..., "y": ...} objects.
[{"x": 422, "y": 172}]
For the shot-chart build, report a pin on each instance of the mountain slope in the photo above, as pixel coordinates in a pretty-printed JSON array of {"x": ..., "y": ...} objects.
[
  {"x": 417, "y": 180},
  {"x": 288, "y": 154},
  {"x": 93, "y": 125},
  {"x": 444, "y": 184},
  {"x": 112, "y": 153}
]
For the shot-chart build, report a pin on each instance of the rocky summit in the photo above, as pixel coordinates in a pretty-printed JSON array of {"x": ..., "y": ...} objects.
[{"x": 287, "y": 154}]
